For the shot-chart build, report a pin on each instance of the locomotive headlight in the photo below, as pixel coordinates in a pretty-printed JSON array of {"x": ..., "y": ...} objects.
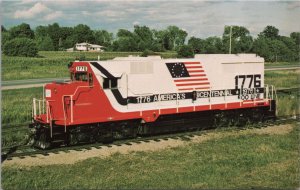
[{"x": 48, "y": 93}]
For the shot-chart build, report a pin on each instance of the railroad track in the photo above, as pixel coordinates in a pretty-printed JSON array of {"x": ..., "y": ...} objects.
[{"x": 23, "y": 151}]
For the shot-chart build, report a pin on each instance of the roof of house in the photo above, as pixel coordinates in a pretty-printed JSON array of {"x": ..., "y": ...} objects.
[{"x": 91, "y": 45}]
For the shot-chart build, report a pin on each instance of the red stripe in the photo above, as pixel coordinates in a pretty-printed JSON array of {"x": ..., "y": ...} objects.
[
  {"x": 198, "y": 75},
  {"x": 192, "y": 84},
  {"x": 185, "y": 89},
  {"x": 203, "y": 88},
  {"x": 197, "y": 79},
  {"x": 195, "y": 71},
  {"x": 191, "y": 63},
  {"x": 193, "y": 67}
]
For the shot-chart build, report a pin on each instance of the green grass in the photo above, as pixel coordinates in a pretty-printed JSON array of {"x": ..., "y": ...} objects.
[
  {"x": 239, "y": 161},
  {"x": 281, "y": 64},
  {"x": 17, "y": 105},
  {"x": 283, "y": 79},
  {"x": 16, "y": 110},
  {"x": 53, "y": 64},
  {"x": 288, "y": 104}
]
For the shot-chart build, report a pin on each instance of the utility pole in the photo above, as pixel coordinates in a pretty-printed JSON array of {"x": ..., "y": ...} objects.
[{"x": 230, "y": 39}]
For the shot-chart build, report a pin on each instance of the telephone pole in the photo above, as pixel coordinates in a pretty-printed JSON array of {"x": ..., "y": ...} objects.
[{"x": 230, "y": 39}]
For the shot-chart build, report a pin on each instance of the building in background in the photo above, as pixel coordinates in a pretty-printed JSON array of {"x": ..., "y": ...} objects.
[{"x": 86, "y": 47}]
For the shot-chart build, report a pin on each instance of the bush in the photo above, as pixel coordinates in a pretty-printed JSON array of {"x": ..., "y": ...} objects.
[
  {"x": 20, "y": 47},
  {"x": 147, "y": 52},
  {"x": 185, "y": 51}
]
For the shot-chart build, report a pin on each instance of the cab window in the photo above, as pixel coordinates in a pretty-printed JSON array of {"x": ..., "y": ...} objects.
[{"x": 80, "y": 76}]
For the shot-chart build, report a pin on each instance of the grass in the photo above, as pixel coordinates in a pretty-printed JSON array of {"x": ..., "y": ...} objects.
[
  {"x": 54, "y": 62},
  {"x": 239, "y": 161},
  {"x": 16, "y": 111},
  {"x": 281, "y": 64},
  {"x": 283, "y": 79},
  {"x": 288, "y": 104},
  {"x": 17, "y": 105}
]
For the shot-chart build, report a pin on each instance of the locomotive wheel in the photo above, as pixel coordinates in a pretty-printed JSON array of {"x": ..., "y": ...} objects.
[
  {"x": 43, "y": 140},
  {"x": 31, "y": 140},
  {"x": 73, "y": 139}
]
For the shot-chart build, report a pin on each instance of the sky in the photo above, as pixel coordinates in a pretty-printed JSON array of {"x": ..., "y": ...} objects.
[{"x": 198, "y": 18}]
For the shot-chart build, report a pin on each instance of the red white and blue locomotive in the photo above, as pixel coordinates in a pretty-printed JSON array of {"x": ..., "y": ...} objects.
[{"x": 130, "y": 96}]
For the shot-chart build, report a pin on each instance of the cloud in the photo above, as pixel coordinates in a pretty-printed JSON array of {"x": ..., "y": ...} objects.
[
  {"x": 38, "y": 10},
  {"x": 32, "y": 12},
  {"x": 294, "y": 5},
  {"x": 52, "y": 16}
]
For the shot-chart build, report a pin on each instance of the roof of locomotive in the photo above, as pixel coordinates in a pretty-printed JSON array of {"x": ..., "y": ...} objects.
[{"x": 204, "y": 57}]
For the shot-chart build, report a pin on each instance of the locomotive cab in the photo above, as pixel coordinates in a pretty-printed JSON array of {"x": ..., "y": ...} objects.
[
  {"x": 59, "y": 98},
  {"x": 81, "y": 73}
]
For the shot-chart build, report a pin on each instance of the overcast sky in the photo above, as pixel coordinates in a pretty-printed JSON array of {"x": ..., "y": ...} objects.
[{"x": 198, "y": 18}]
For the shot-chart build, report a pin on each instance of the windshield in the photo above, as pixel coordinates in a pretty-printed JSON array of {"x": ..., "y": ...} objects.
[{"x": 80, "y": 76}]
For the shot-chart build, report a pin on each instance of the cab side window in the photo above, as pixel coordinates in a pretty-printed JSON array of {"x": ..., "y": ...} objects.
[{"x": 110, "y": 83}]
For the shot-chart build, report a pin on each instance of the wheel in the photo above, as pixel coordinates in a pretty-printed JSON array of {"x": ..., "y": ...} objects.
[
  {"x": 43, "y": 140},
  {"x": 73, "y": 139}
]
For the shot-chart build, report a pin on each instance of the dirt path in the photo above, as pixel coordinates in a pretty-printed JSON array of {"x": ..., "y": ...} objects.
[{"x": 76, "y": 156}]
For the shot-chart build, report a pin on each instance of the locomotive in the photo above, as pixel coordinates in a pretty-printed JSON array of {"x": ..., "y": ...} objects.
[{"x": 135, "y": 96}]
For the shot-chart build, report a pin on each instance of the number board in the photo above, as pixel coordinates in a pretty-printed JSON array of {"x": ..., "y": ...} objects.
[{"x": 81, "y": 68}]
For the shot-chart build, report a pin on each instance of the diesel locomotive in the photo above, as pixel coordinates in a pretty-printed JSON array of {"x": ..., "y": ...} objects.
[{"x": 132, "y": 96}]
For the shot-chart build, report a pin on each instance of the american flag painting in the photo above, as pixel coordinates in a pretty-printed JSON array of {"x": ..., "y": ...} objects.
[{"x": 188, "y": 76}]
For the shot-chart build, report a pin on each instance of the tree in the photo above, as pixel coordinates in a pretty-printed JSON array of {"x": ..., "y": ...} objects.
[
  {"x": 176, "y": 36},
  {"x": 102, "y": 37},
  {"x": 5, "y": 36},
  {"x": 144, "y": 37},
  {"x": 126, "y": 41},
  {"x": 161, "y": 40},
  {"x": 45, "y": 43},
  {"x": 41, "y": 31},
  {"x": 213, "y": 45},
  {"x": 83, "y": 33},
  {"x": 20, "y": 47},
  {"x": 197, "y": 44},
  {"x": 296, "y": 37},
  {"x": 21, "y": 31},
  {"x": 185, "y": 51},
  {"x": 3, "y": 29},
  {"x": 241, "y": 41},
  {"x": 270, "y": 32}
]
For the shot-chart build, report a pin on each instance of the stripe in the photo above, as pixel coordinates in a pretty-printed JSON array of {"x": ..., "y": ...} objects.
[
  {"x": 193, "y": 84},
  {"x": 202, "y": 88},
  {"x": 193, "y": 67},
  {"x": 191, "y": 63},
  {"x": 181, "y": 89},
  {"x": 195, "y": 71},
  {"x": 194, "y": 79},
  {"x": 198, "y": 75},
  {"x": 116, "y": 92}
]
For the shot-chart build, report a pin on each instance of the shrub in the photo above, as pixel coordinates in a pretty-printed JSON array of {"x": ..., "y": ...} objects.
[
  {"x": 20, "y": 47},
  {"x": 185, "y": 51},
  {"x": 147, "y": 52}
]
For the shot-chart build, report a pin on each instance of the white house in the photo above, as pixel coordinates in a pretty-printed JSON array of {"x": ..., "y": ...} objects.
[{"x": 86, "y": 47}]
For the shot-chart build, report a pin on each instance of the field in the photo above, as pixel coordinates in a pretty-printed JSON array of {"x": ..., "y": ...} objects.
[
  {"x": 231, "y": 160},
  {"x": 53, "y": 64},
  {"x": 16, "y": 112},
  {"x": 283, "y": 79}
]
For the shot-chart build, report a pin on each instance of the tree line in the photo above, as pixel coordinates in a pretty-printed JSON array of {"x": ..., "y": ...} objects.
[{"x": 22, "y": 40}]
